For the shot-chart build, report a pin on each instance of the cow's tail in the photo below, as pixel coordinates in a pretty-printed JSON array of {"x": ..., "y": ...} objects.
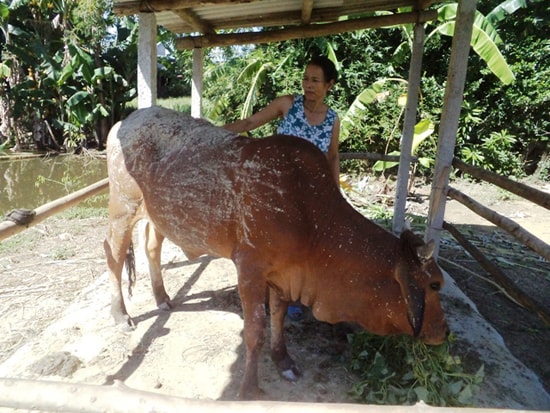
[{"x": 130, "y": 267}]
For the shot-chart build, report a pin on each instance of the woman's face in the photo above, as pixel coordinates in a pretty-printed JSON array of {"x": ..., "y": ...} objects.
[{"x": 314, "y": 84}]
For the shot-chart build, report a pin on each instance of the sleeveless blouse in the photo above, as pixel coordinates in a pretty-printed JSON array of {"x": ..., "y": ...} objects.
[{"x": 296, "y": 124}]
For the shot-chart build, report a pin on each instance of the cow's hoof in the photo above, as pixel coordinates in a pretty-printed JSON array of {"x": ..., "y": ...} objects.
[
  {"x": 123, "y": 321},
  {"x": 291, "y": 374},
  {"x": 126, "y": 324},
  {"x": 252, "y": 394},
  {"x": 287, "y": 368}
]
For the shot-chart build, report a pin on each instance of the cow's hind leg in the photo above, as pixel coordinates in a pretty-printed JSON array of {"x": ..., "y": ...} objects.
[
  {"x": 153, "y": 246},
  {"x": 279, "y": 354},
  {"x": 252, "y": 288},
  {"x": 116, "y": 244}
]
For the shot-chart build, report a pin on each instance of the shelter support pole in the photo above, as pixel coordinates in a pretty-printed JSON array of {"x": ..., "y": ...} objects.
[
  {"x": 197, "y": 82},
  {"x": 452, "y": 103},
  {"x": 413, "y": 89},
  {"x": 147, "y": 60}
]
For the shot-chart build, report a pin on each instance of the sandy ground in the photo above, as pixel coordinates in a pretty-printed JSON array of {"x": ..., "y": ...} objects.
[{"x": 56, "y": 326}]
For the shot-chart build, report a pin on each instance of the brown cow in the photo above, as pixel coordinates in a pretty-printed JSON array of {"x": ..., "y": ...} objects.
[{"x": 272, "y": 207}]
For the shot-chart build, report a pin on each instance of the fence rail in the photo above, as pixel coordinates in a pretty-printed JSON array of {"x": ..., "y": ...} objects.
[
  {"x": 8, "y": 228},
  {"x": 517, "y": 231},
  {"x": 88, "y": 398}
]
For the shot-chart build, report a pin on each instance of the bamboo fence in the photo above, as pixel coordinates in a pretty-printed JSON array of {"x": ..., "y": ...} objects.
[{"x": 519, "y": 233}]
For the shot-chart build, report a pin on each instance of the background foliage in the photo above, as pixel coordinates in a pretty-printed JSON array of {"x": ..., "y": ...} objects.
[{"x": 68, "y": 73}]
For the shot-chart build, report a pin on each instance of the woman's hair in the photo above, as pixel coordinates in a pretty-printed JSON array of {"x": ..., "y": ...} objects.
[{"x": 329, "y": 70}]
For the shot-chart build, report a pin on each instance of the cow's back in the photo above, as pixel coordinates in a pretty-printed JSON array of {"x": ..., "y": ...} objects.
[
  {"x": 150, "y": 135},
  {"x": 210, "y": 191}
]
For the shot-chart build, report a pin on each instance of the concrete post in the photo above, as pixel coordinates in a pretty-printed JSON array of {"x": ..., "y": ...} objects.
[
  {"x": 196, "y": 84},
  {"x": 147, "y": 60}
]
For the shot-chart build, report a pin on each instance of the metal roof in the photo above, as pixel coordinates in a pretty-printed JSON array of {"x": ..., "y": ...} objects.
[{"x": 209, "y": 19}]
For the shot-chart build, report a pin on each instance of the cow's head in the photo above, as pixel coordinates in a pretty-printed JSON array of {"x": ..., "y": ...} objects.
[{"x": 420, "y": 280}]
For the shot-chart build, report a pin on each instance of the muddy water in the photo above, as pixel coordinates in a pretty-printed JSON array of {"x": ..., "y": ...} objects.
[{"x": 29, "y": 183}]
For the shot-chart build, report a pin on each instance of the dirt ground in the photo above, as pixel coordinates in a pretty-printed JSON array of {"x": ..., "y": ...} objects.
[{"x": 55, "y": 298}]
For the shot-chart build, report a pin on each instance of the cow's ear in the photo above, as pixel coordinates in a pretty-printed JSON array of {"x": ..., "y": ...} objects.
[{"x": 426, "y": 251}]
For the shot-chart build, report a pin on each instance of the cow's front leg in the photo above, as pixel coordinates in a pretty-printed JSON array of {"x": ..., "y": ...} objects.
[
  {"x": 279, "y": 354},
  {"x": 153, "y": 247}
]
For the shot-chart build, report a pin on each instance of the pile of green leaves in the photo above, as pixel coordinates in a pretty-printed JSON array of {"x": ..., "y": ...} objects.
[{"x": 401, "y": 370}]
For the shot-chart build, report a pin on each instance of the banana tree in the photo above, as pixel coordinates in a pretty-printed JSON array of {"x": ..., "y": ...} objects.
[
  {"x": 485, "y": 39},
  {"x": 377, "y": 92}
]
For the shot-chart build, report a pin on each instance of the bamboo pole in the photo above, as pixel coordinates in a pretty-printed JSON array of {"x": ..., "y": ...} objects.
[
  {"x": 88, "y": 398},
  {"x": 525, "y": 191},
  {"x": 413, "y": 90},
  {"x": 8, "y": 228},
  {"x": 371, "y": 156},
  {"x": 499, "y": 276},
  {"x": 536, "y": 244},
  {"x": 448, "y": 126}
]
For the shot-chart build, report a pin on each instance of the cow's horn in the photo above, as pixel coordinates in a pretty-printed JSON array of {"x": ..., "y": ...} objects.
[{"x": 426, "y": 251}]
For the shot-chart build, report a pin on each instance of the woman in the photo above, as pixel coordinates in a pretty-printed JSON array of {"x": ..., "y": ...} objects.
[{"x": 306, "y": 116}]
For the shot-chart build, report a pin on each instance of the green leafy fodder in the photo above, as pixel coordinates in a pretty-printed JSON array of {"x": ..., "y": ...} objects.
[{"x": 401, "y": 370}]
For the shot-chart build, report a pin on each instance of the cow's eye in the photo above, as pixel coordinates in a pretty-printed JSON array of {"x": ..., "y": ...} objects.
[{"x": 436, "y": 286}]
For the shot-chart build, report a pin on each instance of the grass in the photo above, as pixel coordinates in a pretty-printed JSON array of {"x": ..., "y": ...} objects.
[
  {"x": 82, "y": 212},
  {"x": 401, "y": 370}
]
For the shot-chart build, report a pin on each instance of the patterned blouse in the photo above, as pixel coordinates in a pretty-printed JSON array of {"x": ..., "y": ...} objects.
[{"x": 296, "y": 124}]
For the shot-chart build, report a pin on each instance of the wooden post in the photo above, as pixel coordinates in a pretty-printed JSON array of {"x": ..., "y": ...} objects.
[
  {"x": 415, "y": 73},
  {"x": 449, "y": 118},
  {"x": 196, "y": 84},
  {"x": 147, "y": 60}
]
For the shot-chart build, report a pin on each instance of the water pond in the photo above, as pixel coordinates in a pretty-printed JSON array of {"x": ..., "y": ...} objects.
[{"x": 32, "y": 182}]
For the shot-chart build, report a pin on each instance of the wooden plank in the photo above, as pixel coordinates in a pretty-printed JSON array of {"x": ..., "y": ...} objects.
[
  {"x": 302, "y": 32},
  {"x": 307, "y": 8},
  {"x": 87, "y": 398},
  {"x": 8, "y": 228},
  {"x": 191, "y": 18}
]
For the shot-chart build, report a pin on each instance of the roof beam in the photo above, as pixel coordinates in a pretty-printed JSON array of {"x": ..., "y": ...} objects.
[
  {"x": 307, "y": 8},
  {"x": 302, "y": 32},
  {"x": 191, "y": 18}
]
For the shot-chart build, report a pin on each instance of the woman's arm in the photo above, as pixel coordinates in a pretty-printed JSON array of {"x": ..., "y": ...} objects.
[
  {"x": 276, "y": 109},
  {"x": 332, "y": 154}
]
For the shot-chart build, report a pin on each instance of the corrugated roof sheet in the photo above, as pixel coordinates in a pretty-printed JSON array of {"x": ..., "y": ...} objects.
[{"x": 210, "y": 16}]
